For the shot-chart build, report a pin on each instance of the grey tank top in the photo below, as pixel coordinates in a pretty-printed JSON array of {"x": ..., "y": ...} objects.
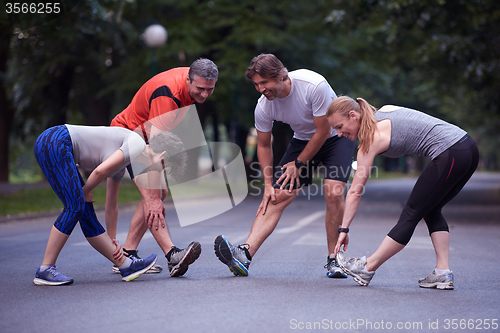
[
  {"x": 414, "y": 132},
  {"x": 92, "y": 145}
]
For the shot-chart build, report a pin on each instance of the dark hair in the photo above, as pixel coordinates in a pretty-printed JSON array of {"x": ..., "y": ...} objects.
[
  {"x": 268, "y": 66},
  {"x": 176, "y": 154},
  {"x": 204, "y": 68}
]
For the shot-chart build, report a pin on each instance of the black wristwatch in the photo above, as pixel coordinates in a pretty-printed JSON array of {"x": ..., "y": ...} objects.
[
  {"x": 299, "y": 164},
  {"x": 346, "y": 230}
]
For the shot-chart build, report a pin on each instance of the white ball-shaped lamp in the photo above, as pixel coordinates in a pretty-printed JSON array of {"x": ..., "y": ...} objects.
[{"x": 155, "y": 35}]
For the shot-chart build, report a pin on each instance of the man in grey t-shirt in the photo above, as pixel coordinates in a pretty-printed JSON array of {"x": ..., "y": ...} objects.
[{"x": 300, "y": 99}]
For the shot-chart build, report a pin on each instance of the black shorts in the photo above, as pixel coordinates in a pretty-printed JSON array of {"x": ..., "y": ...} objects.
[{"x": 334, "y": 158}]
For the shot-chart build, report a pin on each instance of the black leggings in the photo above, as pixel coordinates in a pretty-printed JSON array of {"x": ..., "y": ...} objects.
[{"x": 441, "y": 181}]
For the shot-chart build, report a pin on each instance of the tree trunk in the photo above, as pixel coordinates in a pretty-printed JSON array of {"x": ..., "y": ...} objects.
[{"x": 6, "y": 109}]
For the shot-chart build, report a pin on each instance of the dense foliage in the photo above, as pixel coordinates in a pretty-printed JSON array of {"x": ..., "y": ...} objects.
[{"x": 438, "y": 56}]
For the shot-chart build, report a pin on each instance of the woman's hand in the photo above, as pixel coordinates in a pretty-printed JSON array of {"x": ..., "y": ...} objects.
[
  {"x": 89, "y": 197},
  {"x": 118, "y": 253},
  {"x": 343, "y": 240}
]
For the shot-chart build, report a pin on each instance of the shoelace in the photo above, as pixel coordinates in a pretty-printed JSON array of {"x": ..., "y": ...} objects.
[
  {"x": 244, "y": 246},
  {"x": 356, "y": 262},
  {"x": 53, "y": 270},
  {"x": 331, "y": 262}
]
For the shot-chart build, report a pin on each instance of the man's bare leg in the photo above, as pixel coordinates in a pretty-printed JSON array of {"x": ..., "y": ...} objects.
[
  {"x": 334, "y": 197},
  {"x": 137, "y": 229},
  {"x": 162, "y": 237},
  {"x": 264, "y": 224},
  {"x": 138, "y": 226}
]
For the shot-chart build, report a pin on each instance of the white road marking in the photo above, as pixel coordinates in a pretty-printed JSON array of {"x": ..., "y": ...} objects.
[{"x": 302, "y": 223}]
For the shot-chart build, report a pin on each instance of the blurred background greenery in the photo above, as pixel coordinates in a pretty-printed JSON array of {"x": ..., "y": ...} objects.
[{"x": 83, "y": 67}]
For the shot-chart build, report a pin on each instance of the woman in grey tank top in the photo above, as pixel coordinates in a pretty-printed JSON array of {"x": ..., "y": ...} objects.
[
  {"x": 105, "y": 151},
  {"x": 394, "y": 131}
]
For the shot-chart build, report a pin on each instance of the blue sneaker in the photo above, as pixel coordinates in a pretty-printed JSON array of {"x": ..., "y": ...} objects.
[
  {"x": 236, "y": 258},
  {"x": 137, "y": 267},
  {"x": 51, "y": 277}
]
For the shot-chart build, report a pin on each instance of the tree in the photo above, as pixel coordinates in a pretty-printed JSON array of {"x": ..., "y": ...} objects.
[{"x": 438, "y": 56}]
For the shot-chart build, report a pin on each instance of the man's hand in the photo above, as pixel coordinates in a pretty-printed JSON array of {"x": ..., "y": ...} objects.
[
  {"x": 269, "y": 195},
  {"x": 154, "y": 213},
  {"x": 343, "y": 240},
  {"x": 290, "y": 174}
]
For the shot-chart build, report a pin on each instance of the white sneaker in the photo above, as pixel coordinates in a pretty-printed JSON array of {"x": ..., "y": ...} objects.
[
  {"x": 441, "y": 281},
  {"x": 355, "y": 267}
]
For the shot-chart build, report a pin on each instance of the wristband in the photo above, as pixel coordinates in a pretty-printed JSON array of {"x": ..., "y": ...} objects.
[
  {"x": 346, "y": 230},
  {"x": 299, "y": 164}
]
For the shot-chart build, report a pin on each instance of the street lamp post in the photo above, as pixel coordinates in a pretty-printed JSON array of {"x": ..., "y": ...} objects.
[{"x": 154, "y": 36}]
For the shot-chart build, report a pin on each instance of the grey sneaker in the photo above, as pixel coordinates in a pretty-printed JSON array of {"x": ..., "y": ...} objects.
[
  {"x": 179, "y": 260},
  {"x": 355, "y": 267},
  {"x": 133, "y": 253},
  {"x": 236, "y": 258},
  {"x": 332, "y": 268},
  {"x": 433, "y": 280}
]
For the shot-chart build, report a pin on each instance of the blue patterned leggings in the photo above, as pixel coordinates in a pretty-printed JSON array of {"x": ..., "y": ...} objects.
[{"x": 54, "y": 153}]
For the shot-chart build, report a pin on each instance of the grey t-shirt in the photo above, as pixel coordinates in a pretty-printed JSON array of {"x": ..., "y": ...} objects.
[
  {"x": 309, "y": 97},
  {"x": 92, "y": 145},
  {"x": 414, "y": 132}
]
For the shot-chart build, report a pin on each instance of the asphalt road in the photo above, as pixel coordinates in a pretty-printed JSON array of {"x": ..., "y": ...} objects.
[{"x": 287, "y": 289}]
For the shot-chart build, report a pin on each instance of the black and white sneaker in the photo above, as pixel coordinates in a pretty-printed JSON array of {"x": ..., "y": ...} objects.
[
  {"x": 180, "y": 259},
  {"x": 333, "y": 269}
]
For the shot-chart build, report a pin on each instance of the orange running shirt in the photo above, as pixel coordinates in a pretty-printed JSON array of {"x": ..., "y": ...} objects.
[{"x": 163, "y": 95}]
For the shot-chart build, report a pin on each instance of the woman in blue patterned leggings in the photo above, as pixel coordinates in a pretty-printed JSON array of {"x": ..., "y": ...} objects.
[{"x": 55, "y": 153}]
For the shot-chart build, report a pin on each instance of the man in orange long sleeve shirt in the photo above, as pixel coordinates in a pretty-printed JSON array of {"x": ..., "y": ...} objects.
[{"x": 160, "y": 105}]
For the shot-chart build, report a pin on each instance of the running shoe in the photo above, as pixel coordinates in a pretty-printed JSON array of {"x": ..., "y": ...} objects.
[
  {"x": 180, "y": 259},
  {"x": 332, "y": 268},
  {"x": 439, "y": 281},
  {"x": 237, "y": 258},
  {"x": 152, "y": 270},
  {"x": 137, "y": 267},
  {"x": 51, "y": 277},
  {"x": 355, "y": 267}
]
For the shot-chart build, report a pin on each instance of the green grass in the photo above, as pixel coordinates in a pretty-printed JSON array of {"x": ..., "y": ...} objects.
[{"x": 41, "y": 200}]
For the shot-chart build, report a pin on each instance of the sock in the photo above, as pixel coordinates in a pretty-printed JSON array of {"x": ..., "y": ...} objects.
[
  {"x": 126, "y": 263},
  {"x": 169, "y": 254},
  {"x": 132, "y": 253},
  {"x": 441, "y": 271},
  {"x": 44, "y": 267}
]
